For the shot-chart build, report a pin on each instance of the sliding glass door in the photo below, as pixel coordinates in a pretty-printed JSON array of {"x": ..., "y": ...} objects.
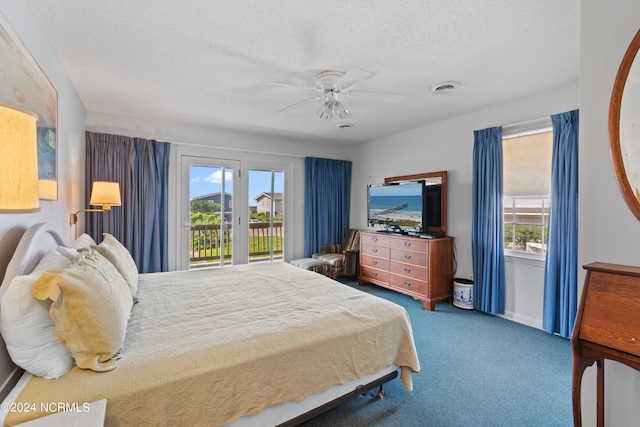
[
  {"x": 266, "y": 215},
  {"x": 209, "y": 211}
]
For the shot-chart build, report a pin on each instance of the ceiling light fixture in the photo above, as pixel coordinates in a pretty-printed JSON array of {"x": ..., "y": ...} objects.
[
  {"x": 332, "y": 108},
  {"x": 444, "y": 87}
]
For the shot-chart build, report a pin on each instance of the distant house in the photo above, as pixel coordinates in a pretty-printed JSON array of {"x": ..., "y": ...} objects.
[
  {"x": 216, "y": 198},
  {"x": 264, "y": 203}
]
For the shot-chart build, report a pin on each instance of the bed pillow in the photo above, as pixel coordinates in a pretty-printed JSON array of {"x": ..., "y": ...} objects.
[
  {"x": 122, "y": 260},
  {"x": 28, "y": 331},
  {"x": 83, "y": 242},
  {"x": 52, "y": 260},
  {"x": 90, "y": 309},
  {"x": 69, "y": 253}
]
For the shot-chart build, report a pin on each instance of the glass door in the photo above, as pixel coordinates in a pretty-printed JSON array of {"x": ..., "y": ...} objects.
[
  {"x": 209, "y": 212},
  {"x": 266, "y": 215}
]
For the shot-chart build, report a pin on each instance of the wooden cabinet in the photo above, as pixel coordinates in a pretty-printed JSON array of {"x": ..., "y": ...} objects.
[
  {"x": 607, "y": 326},
  {"x": 421, "y": 268}
]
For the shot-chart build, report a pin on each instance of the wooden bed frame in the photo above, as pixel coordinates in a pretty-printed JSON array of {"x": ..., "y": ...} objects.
[{"x": 40, "y": 238}]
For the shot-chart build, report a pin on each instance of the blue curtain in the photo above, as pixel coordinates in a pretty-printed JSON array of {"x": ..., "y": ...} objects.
[
  {"x": 486, "y": 228},
  {"x": 327, "y": 194},
  {"x": 142, "y": 169},
  {"x": 561, "y": 267}
]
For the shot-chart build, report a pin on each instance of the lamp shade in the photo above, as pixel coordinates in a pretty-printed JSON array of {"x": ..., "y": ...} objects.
[
  {"x": 105, "y": 194},
  {"x": 18, "y": 161}
]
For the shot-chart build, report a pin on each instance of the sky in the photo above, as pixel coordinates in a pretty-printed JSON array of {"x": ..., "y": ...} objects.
[
  {"x": 207, "y": 179},
  {"x": 404, "y": 189}
]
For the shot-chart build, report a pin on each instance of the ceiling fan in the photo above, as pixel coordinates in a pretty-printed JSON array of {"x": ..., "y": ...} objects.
[{"x": 331, "y": 88}]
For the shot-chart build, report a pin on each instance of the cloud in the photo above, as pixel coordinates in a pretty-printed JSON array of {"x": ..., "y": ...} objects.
[{"x": 216, "y": 177}]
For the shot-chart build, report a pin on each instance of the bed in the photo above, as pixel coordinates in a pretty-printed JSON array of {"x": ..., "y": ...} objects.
[{"x": 255, "y": 344}]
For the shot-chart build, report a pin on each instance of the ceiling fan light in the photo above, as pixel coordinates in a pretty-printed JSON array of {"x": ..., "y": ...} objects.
[{"x": 333, "y": 109}]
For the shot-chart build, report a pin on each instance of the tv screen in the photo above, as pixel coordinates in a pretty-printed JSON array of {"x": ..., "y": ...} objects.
[
  {"x": 431, "y": 206},
  {"x": 396, "y": 205}
]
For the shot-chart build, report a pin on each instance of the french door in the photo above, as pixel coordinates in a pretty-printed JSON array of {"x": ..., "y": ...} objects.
[{"x": 209, "y": 211}]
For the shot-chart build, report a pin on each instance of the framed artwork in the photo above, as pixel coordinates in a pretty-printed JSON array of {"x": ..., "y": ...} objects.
[{"x": 24, "y": 85}]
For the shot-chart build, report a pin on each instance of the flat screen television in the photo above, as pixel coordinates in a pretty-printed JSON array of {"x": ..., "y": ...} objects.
[
  {"x": 408, "y": 206},
  {"x": 397, "y": 205}
]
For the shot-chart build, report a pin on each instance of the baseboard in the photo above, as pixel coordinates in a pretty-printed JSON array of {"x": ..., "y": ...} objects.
[{"x": 528, "y": 321}]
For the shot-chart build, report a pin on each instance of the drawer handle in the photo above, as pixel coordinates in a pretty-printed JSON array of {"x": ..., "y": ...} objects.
[
  {"x": 374, "y": 262},
  {"x": 407, "y": 270},
  {"x": 374, "y": 250},
  {"x": 407, "y": 283},
  {"x": 407, "y": 256},
  {"x": 375, "y": 239},
  {"x": 407, "y": 244},
  {"x": 374, "y": 274}
]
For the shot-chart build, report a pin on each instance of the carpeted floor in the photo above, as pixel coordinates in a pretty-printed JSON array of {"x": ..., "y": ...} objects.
[{"x": 476, "y": 370}]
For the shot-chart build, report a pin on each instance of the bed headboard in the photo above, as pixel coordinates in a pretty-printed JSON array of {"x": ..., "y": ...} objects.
[{"x": 34, "y": 243}]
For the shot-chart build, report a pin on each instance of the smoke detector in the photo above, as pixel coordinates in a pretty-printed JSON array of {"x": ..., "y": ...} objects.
[
  {"x": 444, "y": 87},
  {"x": 344, "y": 125}
]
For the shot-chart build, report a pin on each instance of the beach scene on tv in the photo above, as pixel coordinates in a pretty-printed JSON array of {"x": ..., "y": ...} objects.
[{"x": 396, "y": 205}]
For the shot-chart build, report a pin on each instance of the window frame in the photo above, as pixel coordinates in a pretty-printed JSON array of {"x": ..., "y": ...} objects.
[{"x": 514, "y": 131}]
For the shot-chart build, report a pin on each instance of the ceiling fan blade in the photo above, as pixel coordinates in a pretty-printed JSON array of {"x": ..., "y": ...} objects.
[
  {"x": 293, "y": 85},
  {"x": 352, "y": 76},
  {"x": 374, "y": 96},
  {"x": 298, "y": 104}
]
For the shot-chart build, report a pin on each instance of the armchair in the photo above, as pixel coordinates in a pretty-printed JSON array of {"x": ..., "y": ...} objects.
[{"x": 344, "y": 257}]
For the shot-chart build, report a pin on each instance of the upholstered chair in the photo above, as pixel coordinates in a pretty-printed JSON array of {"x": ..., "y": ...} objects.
[{"x": 343, "y": 257}]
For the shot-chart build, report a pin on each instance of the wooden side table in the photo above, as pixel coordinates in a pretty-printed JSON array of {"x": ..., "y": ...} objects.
[{"x": 607, "y": 327}]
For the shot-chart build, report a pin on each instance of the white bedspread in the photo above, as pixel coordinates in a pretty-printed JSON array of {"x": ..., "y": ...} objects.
[{"x": 206, "y": 346}]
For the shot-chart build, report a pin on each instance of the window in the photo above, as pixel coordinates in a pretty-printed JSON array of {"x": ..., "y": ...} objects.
[{"x": 527, "y": 187}]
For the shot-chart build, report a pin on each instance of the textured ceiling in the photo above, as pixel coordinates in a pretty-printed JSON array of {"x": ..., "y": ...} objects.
[{"x": 210, "y": 62}]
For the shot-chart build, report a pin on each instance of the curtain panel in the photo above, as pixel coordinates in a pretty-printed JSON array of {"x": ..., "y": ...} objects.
[
  {"x": 561, "y": 266},
  {"x": 486, "y": 229},
  {"x": 327, "y": 196},
  {"x": 141, "y": 167}
]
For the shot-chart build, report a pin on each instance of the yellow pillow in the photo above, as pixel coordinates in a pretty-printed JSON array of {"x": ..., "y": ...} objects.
[
  {"x": 91, "y": 307},
  {"x": 120, "y": 257}
]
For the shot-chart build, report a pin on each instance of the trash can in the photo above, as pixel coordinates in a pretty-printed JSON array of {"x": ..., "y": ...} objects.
[{"x": 463, "y": 293}]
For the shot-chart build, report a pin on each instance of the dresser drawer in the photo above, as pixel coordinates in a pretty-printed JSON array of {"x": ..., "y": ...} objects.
[
  {"x": 369, "y": 261},
  {"x": 374, "y": 273},
  {"x": 408, "y": 257},
  {"x": 409, "y": 270},
  {"x": 406, "y": 283},
  {"x": 416, "y": 245},
  {"x": 376, "y": 251},
  {"x": 374, "y": 239}
]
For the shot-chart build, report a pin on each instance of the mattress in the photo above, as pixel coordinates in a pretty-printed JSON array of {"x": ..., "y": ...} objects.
[{"x": 206, "y": 346}]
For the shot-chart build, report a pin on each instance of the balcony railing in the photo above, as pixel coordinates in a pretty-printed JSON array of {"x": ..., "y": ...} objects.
[{"x": 205, "y": 244}]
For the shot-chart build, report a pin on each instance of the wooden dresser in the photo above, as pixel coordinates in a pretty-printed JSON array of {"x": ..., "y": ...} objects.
[{"x": 421, "y": 268}]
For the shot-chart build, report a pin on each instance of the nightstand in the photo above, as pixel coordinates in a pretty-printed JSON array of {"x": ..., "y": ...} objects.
[{"x": 93, "y": 416}]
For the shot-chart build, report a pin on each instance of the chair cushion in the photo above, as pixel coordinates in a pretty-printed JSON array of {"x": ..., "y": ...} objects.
[{"x": 336, "y": 260}]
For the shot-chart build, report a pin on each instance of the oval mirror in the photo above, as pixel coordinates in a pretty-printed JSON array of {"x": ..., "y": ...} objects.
[{"x": 624, "y": 126}]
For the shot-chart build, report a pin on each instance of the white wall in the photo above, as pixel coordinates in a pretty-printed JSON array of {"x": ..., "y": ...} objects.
[
  {"x": 448, "y": 145},
  {"x": 71, "y": 126},
  {"x": 608, "y": 230}
]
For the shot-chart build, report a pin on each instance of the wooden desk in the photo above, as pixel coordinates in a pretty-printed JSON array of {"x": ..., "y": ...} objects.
[{"x": 607, "y": 327}]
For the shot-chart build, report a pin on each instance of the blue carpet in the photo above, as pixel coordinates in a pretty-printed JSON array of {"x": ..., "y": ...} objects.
[{"x": 476, "y": 370}]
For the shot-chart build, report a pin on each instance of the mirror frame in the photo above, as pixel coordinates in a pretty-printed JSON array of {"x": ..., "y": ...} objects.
[
  {"x": 443, "y": 198},
  {"x": 617, "y": 156}
]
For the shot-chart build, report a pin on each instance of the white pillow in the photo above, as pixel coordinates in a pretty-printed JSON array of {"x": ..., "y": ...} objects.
[
  {"x": 28, "y": 330},
  {"x": 121, "y": 259},
  {"x": 68, "y": 253},
  {"x": 83, "y": 242},
  {"x": 52, "y": 260}
]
